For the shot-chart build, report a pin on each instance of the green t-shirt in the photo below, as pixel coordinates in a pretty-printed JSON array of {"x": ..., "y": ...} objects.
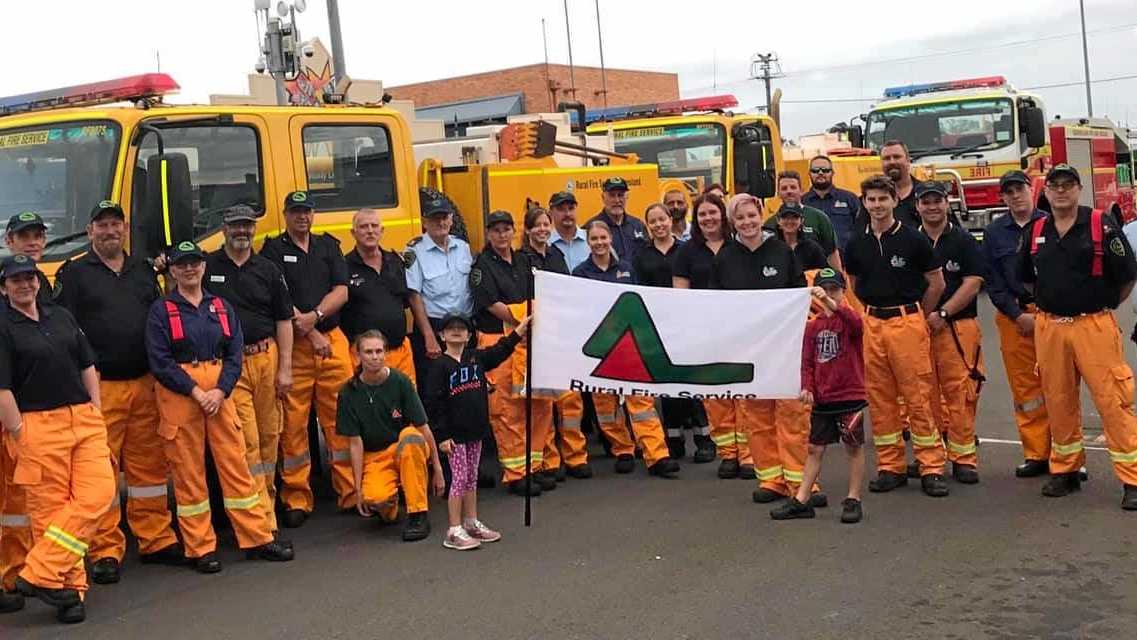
[{"x": 377, "y": 413}]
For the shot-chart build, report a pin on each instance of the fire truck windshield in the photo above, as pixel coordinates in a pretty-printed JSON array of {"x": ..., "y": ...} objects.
[
  {"x": 945, "y": 127},
  {"x": 59, "y": 171},
  {"x": 682, "y": 151}
]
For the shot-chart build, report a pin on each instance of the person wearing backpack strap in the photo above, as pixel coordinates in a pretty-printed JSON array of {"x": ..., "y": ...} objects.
[{"x": 1080, "y": 267}]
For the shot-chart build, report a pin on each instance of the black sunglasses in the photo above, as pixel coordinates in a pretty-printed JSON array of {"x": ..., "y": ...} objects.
[{"x": 821, "y": 170}]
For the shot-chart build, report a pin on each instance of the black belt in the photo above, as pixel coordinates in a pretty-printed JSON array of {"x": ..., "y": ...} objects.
[{"x": 886, "y": 313}]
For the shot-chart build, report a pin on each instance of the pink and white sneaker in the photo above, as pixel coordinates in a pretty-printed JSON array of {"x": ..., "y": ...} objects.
[
  {"x": 457, "y": 538},
  {"x": 480, "y": 532}
]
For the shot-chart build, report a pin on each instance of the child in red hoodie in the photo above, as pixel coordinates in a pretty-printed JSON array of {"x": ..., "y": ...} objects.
[{"x": 833, "y": 381}]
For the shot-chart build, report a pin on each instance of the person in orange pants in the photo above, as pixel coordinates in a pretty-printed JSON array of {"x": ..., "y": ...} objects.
[
  {"x": 957, "y": 357},
  {"x": 317, "y": 277},
  {"x": 1076, "y": 334},
  {"x": 194, "y": 344},
  {"x": 110, "y": 292},
  {"x": 895, "y": 273},
  {"x": 731, "y": 439},
  {"x": 1015, "y": 320},
  {"x": 55, "y": 435},
  {"x": 567, "y": 440}
]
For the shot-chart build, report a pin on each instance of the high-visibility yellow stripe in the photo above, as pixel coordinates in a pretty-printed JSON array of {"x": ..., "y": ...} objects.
[
  {"x": 188, "y": 510},
  {"x": 886, "y": 439},
  {"x": 962, "y": 449},
  {"x": 741, "y": 437},
  {"x": 1123, "y": 456},
  {"x": 519, "y": 461},
  {"x": 925, "y": 442},
  {"x": 770, "y": 473},
  {"x": 723, "y": 439},
  {"x": 245, "y": 503},
  {"x": 1068, "y": 449},
  {"x": 793, "y": 476},
  {"x": 166, "y": 207},
  {"x": 66, "y": 540}
]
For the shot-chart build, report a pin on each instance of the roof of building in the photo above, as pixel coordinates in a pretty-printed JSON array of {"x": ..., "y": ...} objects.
[{"x": 474, "y": 110}]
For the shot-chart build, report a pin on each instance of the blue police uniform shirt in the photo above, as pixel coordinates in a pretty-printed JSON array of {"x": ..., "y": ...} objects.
[
  {"x": 1000, "y": 246},
  {"x": 202, "y": 330},
  {"x": 627, "y": 237},
  {"x": 617, "y": 271},
  {"x": 575, "y": 252},
  {"x": 441, "y": 277},
  {"x": 842, "y": 208}
]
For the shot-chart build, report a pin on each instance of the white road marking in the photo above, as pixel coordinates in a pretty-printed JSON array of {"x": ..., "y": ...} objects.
[{"x": 983, "y": 440}]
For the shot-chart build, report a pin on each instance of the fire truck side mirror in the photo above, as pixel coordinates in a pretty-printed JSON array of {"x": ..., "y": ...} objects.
[
  {"x": 1032, "y": 123},
  {"x": 167, "y": 209},
  {"x": 753, "y": 165},
  {"x": 857, "y": 136}
]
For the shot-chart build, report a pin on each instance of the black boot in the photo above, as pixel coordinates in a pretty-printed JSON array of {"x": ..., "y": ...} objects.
[
  {"x": 704, "y": 450},
  {"x": 546, "y": 480},
  {"x": 1129, "y": 498},
  {"x": 1032, "y": 469},
  {"x": 105, "y": 571},
  {"x": 560, "y": 475},
  {"x": 74, "y": 614},
  {"x": 1061, "y": 484},
  {"x": 746, "y": 472},
  {"x": 11, "y": 601},
  {"x": 517, "y": 488},
  {"x": 964, "y": 473},
  {"x": 51, "y": 597},
  {"x": 275, "y": 551},
  {"x": 580, "y": 471},
  {"x": 664, "y": 468},
  {"x": 887, "y": 481},
  {"x": 418, "y": 527},
  {"x": 625, "y": 463},
  {"x": 172, "y": 556},
  {"x": 207, "y": 564},
  {"x": 676, "y": 447},
  {"x": 293, "y": 518},
  {"x": 728, "y": 468},
  {"x": 934, "y": 485}
]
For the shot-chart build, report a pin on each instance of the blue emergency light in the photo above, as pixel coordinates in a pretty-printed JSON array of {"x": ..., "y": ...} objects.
[{"x": 932, "y": 87}]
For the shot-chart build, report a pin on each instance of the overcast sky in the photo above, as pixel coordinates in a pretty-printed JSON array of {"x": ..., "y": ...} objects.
[{"x": 829, "y": 49}]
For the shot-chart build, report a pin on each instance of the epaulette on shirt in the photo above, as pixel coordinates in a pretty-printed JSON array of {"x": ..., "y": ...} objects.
[{"x": 331, "y": 237}]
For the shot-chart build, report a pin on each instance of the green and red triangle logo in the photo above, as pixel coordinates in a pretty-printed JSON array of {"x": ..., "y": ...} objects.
[{"x": 629, "y": 348}]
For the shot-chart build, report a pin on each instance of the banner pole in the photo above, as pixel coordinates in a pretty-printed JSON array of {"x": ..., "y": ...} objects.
[{"x": 529, "y": 411}]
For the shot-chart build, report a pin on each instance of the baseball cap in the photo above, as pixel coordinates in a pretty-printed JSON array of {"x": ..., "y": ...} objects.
[
  {"x": 830, "y": 277},
  {"x": 1063, "y": 169},
  {"x": 451, "y": 319},
  {"x": 185, "y": 251},
  {"x": 561, "y": 197},
  {"x": 24, "y": 220},
  {"x": 17, "y": 264},
  {"x": 790, "y": 210},
  {"x": 107, "y": 206},
  {"x": 298, "y": 200},
  {"x": 498, "y": 216},
  {"x": 1013, "y": 177},
  {"x": 614, "y": 184},
  {"x": 239, "y": 213},
  {"x": 930, "y": 186},
  {"x": 436, "y": 207}
]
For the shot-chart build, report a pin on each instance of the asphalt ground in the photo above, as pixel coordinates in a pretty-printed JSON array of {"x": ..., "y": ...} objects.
[{"x": 640, "y": 557}]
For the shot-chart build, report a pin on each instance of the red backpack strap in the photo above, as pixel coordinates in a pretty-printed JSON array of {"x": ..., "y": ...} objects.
[
  {"x": 1096, "y": 234},
  {"x": 1035, "y": 234},
  {"x": 175, "y": 316},
  {"x": 218, "y": 307}
]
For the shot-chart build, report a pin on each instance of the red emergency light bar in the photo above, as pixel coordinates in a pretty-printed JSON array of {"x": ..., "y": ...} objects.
[
  {"x": 147, "y": 85},
  {"x": 971, "y": 83},
  {"x": 671, "y": 107}
]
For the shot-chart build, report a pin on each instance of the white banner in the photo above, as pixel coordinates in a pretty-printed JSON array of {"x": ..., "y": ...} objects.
[{"x": 631, "y": 340}]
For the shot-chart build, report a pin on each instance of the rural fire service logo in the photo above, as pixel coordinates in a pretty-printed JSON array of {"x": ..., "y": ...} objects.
[{"x": 629, "y": 348}]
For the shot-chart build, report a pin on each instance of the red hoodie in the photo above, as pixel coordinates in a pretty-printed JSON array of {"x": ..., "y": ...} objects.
[{"x": 832, "y": 364}]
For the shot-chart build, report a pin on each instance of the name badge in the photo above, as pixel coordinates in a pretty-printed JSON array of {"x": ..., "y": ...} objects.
[
  {"x": 840, "y": 204},
  {"x": 1040, "y": 240},
  {"x": 290, "y": 258},
  {"x": 217, "y": 278}
]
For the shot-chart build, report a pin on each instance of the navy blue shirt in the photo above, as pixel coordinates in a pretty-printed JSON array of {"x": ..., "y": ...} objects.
[
  {"x": 202, "y": 330},
  {"x": 842, "y": 208},
  {"x": 617, "y": 271},
  {"x": 1000, "y": 247},
  {"x": 627, "y": 238}
]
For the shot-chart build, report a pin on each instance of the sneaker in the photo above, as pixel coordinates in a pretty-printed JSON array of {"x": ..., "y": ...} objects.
[
  {"x": 546, "y": 480},
  {"x": 580, "y": 471},
  {"x": 105, "y": 571},
  {"x": 934, "y": 485},
  {"x": 746, "y": 472},
  {"x": 818, "y": 500},
  {"x": 74, "y": 614},
  {"x": 1032, "y": 469},
  {"x": 964, "y": 473},
  {"x": 517, "y": 487},
  {"x": 1061, "y": 484},
  {"x": 457, "y": 538},
  {"x": 728, "y": 469},
  {"x": 625, "y": 463},
  {"x": 791, "y": 510},
  {"x": 704, "y": 453},
  {"x": 851, "y": 511},
  {"x": 11, "y": 601},
  {"x": 887, "y": 481},
  {"x": 1129, "y": 498},
  {"x": 664, "y": 468},
  {"x": 418, "y": 527},
  {"x": 766, "y": 496},
  {"x": 275, "y": 551},
  {"x": 480, "y": 532}
]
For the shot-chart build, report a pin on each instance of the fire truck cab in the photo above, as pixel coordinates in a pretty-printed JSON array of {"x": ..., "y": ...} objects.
[{"x": 1101, "y": 153}]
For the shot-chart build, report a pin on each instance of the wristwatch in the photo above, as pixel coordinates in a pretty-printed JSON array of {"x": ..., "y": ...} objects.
[
  {"x": 319, "y": 314},
  {"x": 943, "y": 314}
]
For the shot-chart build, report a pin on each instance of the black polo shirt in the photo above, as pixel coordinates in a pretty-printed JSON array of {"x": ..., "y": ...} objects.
[
  {"x": 959, "y": 254},
  {"x": 312, "y": 275},
  {"x": 256, "y": 289},
  {"x": 552, "y": 261},
  {"x": 772, "y": 265},
  {"x": 695, "y": 261},
  {"x": 41, "y": 362},
  {"x": 654, "y": 268},
  {"x": 376, "y": 299},
  {"x": 111, "y": 308},
  {"x": 890, "y": 271},
  {"x": 1062, "y": 269},
  {"x": 810, "y": 254},
  {"x": 493, "y": 280}
]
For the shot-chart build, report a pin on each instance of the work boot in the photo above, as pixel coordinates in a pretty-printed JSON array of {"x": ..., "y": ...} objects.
[
  {"x": 792, "y": 509},
  {"x": 625, "y": 463},
  {"x": 74, "y": 614},
  {"x": 51, "y": 597},
  {"x": 1129, "y": 498},
  {"x": 293, "y": 518},
  {"x": 851, "y": 511},
  {"x": 746, "y": 472},
  {"x": 728, "y": 468},
  {"x": 934, "y": 485},
  {"x": 818, "y": 500},
  {"x": 517, "y": 488},
  {"x": 887, "y": 481},
  {"x": 1032, "y": 469},
  {"x": 913, "y": 470},
  {"x": 964, "y": 473},
  {"x": 546, "y": 480},
  {"x": 105, "y": 571},
  {"x": 559, "y": 475},
  {"x": 172, "y": 556},
  {"x": 765, "y": 496},
  {"x": 664, "y": 468},
  {"x": 704, "y": 451},
  {"x": 418, "y": 527},
  {"x": 677, "y": 447},
  {"x": 1061, "y": 484},
  {"x": 11, "y": 601},
  {"x": 207, "y": 563},
  {"x": 580, "y": 471},
  {"x": 275, "y": 551}
]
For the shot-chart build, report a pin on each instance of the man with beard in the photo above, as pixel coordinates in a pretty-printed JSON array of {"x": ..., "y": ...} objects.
[
  {"x": 569, "y": 238},
  {"x": 897, "y": 165},
  {"x": 256, "y": 289},
  {"x": 676, "y": 203},
  {"x": 840, "y": 205}
]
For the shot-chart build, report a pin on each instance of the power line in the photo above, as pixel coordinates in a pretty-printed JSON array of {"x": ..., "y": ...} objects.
[{"x": 1080, "y": 82}]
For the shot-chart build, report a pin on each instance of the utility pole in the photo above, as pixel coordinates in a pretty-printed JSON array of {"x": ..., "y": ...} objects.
[
  {"x": 603, "y": 73},
  {"x": 1086, "y": 60},
  {"x": 572, "y": 75},
  {"x": 765, "y": 67},
  {"x": 339, "y": 66}
]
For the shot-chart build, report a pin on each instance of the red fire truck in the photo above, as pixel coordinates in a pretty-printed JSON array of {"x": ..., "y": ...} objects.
[{"x": 1103, "y": 155}]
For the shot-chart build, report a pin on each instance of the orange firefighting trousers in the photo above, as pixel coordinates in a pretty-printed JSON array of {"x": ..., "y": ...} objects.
[
  {"x": 130, "y": 409},
  {"x": 402, "y": 464},
  {"x": 507, "y": 418},
  {"x": 729, "y": 434},
  {"x": 567, "y": 443},
  {"x": 186, "y": 431},
  {"x": 646, "y": 426},
  {"x": 261, "y": 418},
  {"x": 1086, "y": 347},
  {"x": 64, "y": 466},
  {"x": 315, "y": 380},
  {"x": 15, "y": 526},
  {"x": 898, "y": 363},
  {"x": 1026, "y": 388},
  {"x": 778, "y": 436},
  {"x": 957, "y": 390}
]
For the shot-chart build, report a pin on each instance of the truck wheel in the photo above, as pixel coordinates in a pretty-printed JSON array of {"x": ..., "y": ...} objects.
[{"x": 458, "y": 230}]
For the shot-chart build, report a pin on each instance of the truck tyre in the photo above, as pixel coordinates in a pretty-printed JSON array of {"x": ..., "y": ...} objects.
[{"x": 458, "y": 230}]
